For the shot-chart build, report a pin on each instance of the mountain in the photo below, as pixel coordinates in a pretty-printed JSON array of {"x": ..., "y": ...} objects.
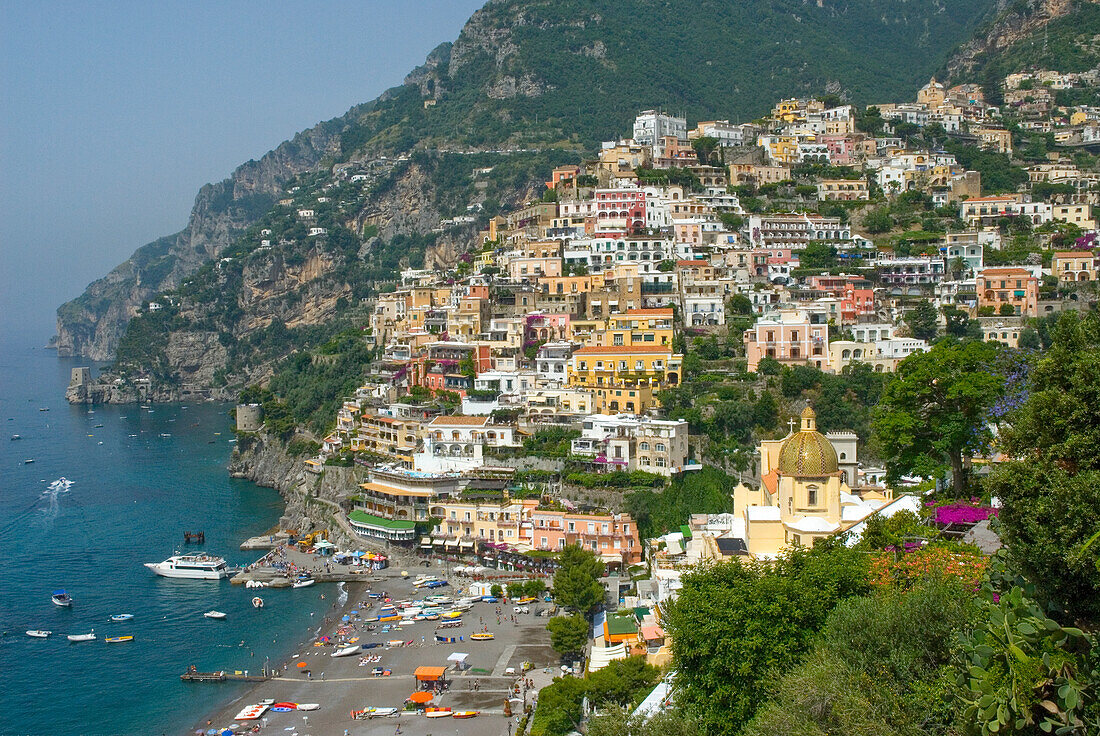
[
  {"x": 1029, "y": 34},
  {"x": 545, "y": 80}
]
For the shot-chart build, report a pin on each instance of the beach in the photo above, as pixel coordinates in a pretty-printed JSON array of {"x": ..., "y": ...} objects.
[{"x": 494, "y": 671}]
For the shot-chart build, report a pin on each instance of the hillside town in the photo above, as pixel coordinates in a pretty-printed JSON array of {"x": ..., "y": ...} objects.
[{"x": 516, "y": 401}]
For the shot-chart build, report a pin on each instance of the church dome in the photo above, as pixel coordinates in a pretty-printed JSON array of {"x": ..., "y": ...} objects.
[{"x": 807, "y": 453}]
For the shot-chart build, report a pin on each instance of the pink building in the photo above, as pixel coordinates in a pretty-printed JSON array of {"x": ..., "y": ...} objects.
[
  {"x": 613, "y": 537},
  {"x": 790, "y": 338}
]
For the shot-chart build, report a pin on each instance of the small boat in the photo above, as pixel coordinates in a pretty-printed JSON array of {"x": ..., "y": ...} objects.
[
  {"x": 96, "y": 426},
  {"x": 437, "y": 712},
  {"x": 119, "y": 639},
  {"x": 257, "y": 602},
  {"x": 309, "y": 706},
  {"x": 285, "y": 706},
  {"x": 482, "y": 636},
  {"x": 381, "y": 712},
  {"x": 123, "y": 617},
  {"x": 38, "y": 634},
  {"x": 17, "y": 437},
  {"x": 250, "y": 713},
  {"x": 61, "y": 598},
  {"x": 44, "y": 408},
  {"x": 347, "y": 651},
  {"x": 90, "y": 636},
  {"x": 303, "y": 583},
  {"x": 28, "y": 461},
  {"x": 466, "y": 714},
  {"x": 216, "y": 615}
]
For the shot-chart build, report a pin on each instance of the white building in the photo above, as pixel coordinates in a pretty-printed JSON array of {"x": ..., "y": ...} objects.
[
  {"x": 650, "y": 126},
  {"x": 631, "y": 442}
]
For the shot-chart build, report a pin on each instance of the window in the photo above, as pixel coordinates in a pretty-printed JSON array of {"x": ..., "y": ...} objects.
[
  {"x": 660, "y": 447},
  {"x": 811, "y": 496},
  {"x": 572, "y": 526}
]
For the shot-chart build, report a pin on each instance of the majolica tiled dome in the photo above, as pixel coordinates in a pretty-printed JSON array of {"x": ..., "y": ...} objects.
[{"x": 807, "y": 452}]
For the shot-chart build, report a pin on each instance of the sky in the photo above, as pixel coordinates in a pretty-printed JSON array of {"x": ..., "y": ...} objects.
[{"x": 112, "y": 115}]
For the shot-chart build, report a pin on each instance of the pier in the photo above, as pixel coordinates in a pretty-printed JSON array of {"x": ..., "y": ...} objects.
[{"x": 193, "y": 675}]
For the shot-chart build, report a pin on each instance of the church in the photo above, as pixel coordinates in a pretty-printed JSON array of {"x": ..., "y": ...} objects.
[{"x": 805, "y": 493}]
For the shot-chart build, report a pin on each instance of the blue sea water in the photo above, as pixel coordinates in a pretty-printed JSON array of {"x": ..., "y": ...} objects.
[{"x": 135, "y": 491}]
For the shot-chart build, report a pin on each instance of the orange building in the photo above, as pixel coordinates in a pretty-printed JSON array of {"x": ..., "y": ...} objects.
[{"x": 1014, "y": 286}]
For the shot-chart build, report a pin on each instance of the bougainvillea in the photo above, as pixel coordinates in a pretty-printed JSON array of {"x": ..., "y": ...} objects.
[
  {"x": 960, "y": 513},
  {"x": 904, "y": 569}
]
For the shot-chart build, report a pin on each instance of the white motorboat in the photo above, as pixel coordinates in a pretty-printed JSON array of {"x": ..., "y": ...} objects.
[
  {"x": 303, "y": 583},
  {"x": 257, "y": 602},
  {"x": 194, "y": 567},
  {"x": 90, "y": 636},
  {"x": 38, "y": 634},
  {"x": 348, "y": 651},
  {"x": 216, "y": 615},
  {"x": 61, "y": 598},
  {"x": 122, "y": 617}
]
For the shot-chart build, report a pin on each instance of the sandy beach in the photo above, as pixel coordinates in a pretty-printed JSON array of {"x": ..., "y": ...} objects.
[{"x": 345, "y": 684}]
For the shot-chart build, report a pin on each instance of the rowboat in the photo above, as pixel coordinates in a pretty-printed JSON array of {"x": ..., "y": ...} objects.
[
  {"x": 38, "y": 633},
  {"x": 61, "y": 598},
  {"x": 216, "y": 615},
  {"x": 309, "y": 706},
  {"x": 250, "y": 713},
  {"x": 347, "y": 651},
  {"x": 122, "y": 617},
  {"x": 482, "y": 636},
  {"x": 81, "y": 637},
  {"x": 285, "y": 706},
  {"x": 118, "y": 639},
  {"x": 466, "y": 714},
  {"x": 437, "y": 713}
]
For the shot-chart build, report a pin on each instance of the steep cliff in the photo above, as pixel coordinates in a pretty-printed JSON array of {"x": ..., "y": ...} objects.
[{"x": 92, "y": 324}]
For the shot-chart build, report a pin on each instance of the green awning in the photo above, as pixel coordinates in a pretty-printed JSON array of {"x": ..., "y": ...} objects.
[
  {"x": 362, "y": 517},
  {"x": 686, "y": 531}
]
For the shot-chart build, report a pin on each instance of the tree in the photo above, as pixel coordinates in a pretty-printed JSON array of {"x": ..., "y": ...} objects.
[
  {"x": 768, "y": 366},
  {"x": 568, "y": 634},
  {"x": 496, "y": 591},
  {"x": 958, "y": 324},
  {"x": 933, "y": 414},
  {"x": 1007, "y": 310},
  {"x": 577, "y": 581},
  {"x": 620, "y": 722},
  {"x": 818, "y": 254},
  {"x": 1050, "y": 491},
  {"x": 739, "y": 304},
  {"x": 922, "y": 320},
  {"x": 705, "y": 148},
  {"x": 1029, "y": 339},
  {"x": 878, "y": 221},
  {"x": 734, "y": 623}
]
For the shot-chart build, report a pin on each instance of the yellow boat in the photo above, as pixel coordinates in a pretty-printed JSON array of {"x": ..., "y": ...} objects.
[
  {"x": 452, "y": 615},
  {"x": 483, "y": 636},
  {"x": 118, "y": 639}
]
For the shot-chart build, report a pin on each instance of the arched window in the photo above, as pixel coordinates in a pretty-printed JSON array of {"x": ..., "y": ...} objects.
[{"x": 811, "y": 496}]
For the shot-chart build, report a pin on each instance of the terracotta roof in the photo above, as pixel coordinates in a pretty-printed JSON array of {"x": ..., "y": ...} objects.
[
  {"x": 1003, "y": 271},
  {"x": 459, "y": 421},
  {"x": 625, "y": 350}
]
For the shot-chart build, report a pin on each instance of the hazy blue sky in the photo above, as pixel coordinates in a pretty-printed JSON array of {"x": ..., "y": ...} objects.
[{"x": 112, "y": 115}]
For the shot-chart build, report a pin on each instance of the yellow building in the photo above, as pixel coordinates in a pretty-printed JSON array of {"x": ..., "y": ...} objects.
[
  {"x": 639, "y": 327},
  {"x": 803, "y": 496},
  {"x": 624, "y": 379}
]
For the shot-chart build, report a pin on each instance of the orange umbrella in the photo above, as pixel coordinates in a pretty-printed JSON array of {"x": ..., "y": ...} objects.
[
  {"x": 303, "y": 665},
  {"x": 421, "y": 697}
]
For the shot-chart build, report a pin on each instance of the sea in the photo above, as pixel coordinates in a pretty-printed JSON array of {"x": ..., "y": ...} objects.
[{"x": 141, "y": 477}]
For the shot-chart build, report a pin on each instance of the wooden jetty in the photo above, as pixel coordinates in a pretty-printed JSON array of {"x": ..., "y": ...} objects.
[{"x": 193, "y": 675}]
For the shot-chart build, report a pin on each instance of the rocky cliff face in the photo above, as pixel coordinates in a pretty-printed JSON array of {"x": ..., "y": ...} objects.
[
  {"x": 1014, "y": 22},
  {"x": 92, "y": 324}
]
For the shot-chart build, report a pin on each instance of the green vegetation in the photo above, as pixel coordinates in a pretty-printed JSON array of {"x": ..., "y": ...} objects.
[
  {"x": 932, "y": 415},
  {"x": 550, "y": 442},
  {"x": 617, "y": 479},
  {"x": 735, "y": 623},
  {"x": 622, "y": 683},
  {"x": 568, "y": 634},
  {"x": 577, "y": 580},
  {"x": 706, "y": 491}
]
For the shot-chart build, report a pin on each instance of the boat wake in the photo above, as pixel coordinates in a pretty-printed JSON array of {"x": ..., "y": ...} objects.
[
  {"x": 343, "y": 597},
  {"x": 53, "y": 490}
]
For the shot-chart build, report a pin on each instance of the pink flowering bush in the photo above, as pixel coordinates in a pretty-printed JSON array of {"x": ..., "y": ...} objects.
[{"x": 959, "y": 513}]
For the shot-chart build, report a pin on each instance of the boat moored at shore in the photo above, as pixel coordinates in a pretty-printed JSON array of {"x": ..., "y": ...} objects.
[{"x": 192, "y": 567}]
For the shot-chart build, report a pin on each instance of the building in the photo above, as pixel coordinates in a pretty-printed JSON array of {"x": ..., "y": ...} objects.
[
  {"x": 625, "y": 378},
  {"x": 789, "y": 337},
  {"x": 795, "y": 230},
  {"x": 804, "y": 493},
  {"x": 651, "y": 126},
  {"x": 1067, "y": 266},
  {"x": 396, "y": 493},
  {"x": 631, "y": 442},
  {"x": 1015, "y": 287},
  {"x": 843, "y": 190}
]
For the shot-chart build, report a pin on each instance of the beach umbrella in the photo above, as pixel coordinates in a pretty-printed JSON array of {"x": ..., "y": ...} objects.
[
  {"x": 421, "y": 697},
  {"x": 303, "y": 665},
  {"x": 227, "y": 732}
]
